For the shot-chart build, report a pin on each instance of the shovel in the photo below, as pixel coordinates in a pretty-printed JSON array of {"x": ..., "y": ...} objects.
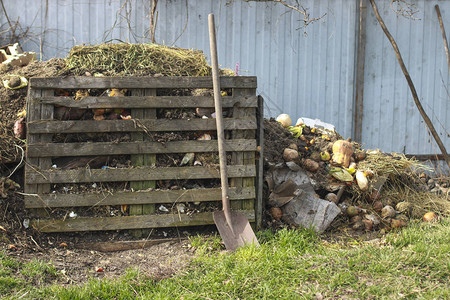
[{"x": 233, "y": 226}]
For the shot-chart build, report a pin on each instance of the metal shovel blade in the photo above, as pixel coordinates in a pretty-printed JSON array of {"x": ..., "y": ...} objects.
[{"x": 240, "y": 235}]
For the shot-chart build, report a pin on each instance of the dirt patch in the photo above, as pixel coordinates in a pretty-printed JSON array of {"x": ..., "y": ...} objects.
[{"x": 78, "y": 266}]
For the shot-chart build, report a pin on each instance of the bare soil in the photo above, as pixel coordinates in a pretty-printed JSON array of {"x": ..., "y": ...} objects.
[{"x": 157, "y": 261}]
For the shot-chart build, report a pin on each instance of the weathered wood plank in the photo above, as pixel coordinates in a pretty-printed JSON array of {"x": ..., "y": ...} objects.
[
  {"x": 82, "y": 82},
  {"x": 34, "y": 113},
  {"x": 44, "y": 162},
  {"x": 36, "y": 127},
  {"x": 105, "y": 148},
  {"x": 137, "y": 161},
  {"x": 114, "y": 246},
  {"x": 260, "y": 164},
  {"x": 142, "y": 159},
  {"x": 149, "y": 159},
  {"x": 129, "y": 222},
  {"x": 135, "y": 174},
  {"x": 148, "y": 102},
  {"x": 141, "y": 197},
  {"x": 244, "y": 158},
  {"x": 37, "y": 112}
]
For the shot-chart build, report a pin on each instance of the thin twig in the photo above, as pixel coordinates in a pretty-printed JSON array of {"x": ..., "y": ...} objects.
[
  {"x": 185, "y": 25},
  {"x": 405, "y": 9},
  {"x": 21, "y": 161},
  {"x": 37, "y": 245},
  {"x": 36, "y": 170},
  {"x": 35, "y": 195},
  {"x": 9, "y": 22},
  {"x": 300, "y": 9},
  {"x": 410, "y": 83}
]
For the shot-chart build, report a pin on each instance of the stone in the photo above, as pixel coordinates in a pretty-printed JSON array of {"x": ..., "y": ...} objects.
[
  {"x": 388, "y": 212},
  {"x": 310, "y": 212}
]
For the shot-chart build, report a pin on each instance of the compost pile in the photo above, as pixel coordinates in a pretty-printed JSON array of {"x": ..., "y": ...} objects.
[
  {"x": 136, "y": 60},
  {"x": 13, "y": 101},
  {"x": 370, "y": 190},
  {"x": 100, "y": 60},
  {"x": 374, "y": 191}
]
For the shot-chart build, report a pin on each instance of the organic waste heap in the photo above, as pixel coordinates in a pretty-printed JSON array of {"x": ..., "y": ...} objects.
[
  {"x": 99, "y": 60},
  {"x": 309, "y": 163}
]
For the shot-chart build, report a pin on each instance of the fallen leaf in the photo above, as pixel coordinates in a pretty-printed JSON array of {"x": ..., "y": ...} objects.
[{"x": 12, "y": 247}]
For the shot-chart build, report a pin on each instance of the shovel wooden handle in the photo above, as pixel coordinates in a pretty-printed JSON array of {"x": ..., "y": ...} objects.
[{"x": 219, "y": 120}]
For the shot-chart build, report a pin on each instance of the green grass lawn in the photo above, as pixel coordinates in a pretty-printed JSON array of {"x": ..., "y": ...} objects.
[{"x": 290, "y": 264}]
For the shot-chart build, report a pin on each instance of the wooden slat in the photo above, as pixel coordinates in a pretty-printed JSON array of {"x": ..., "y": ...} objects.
[
  {"x": 148, "y": 102},
  {"x": 142, "y": 197},
  {"x": 113, "y": 246},
  {"x": 34, "y": 113},
  {"x": 139, "y": 82},
  {"x": 142, "y": 159},
  {"x": 105, "y": 148},
  {"x": 137, "y": 161},
  {"x": 36, "y": 127},
  {"x": 149, "y": 159},
  {"x": 44, "y": 162},
  {"x": 135, "y": 174},
  {"x": 243, "y": 158},
  {"x": 260, "y": 164},
  {"x": 129, "y": 222}
]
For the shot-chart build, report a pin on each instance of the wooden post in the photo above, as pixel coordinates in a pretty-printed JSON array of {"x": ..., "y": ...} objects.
[
  {"x": 137, "y": 161},
  {"x": 149, "y": 159},
  {"x": 260, "y": 166},
  {"x": 360, "y": 61},
  {"x": 38, "y": 112},
  {"x": 243, "y": 158},
  {"x": 141, "y": 160}
]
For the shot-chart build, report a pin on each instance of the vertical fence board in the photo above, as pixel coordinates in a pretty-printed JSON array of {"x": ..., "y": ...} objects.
[{"x": 244, "y": 158}]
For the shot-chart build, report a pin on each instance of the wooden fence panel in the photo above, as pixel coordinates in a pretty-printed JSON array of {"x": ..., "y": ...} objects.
[{"x": 43, "y": 181}]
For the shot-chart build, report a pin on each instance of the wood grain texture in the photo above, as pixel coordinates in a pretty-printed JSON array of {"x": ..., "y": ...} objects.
[
  {"x": 243, "y": 158},
  {"x": 138, "y": 147},
  {"x": 128, "y": 222},
  {"x": 37, "y": 127},
  {"x": 82, "y": 82},
  {"x": 135, "y": 174},
  {"x": 143, "y": 104},
  {"x": 259, "y": 205},
  {"x": 113, "y": 246},
  {"x": 141, "y": 197},
  {"x": 137, "y": 161},
  {"x": 147, "y": 101}
]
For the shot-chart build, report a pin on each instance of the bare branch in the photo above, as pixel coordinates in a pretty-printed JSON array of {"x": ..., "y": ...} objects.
[
  {"x": 405, "y": 9},
  {"x": 410, "y": 83},
  {"x": 297, "y": 7},
  {"x": 9, "y": 22}
]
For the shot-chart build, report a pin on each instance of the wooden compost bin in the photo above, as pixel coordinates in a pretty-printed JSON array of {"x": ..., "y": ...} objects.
[{"x": 244, "y": 172}]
